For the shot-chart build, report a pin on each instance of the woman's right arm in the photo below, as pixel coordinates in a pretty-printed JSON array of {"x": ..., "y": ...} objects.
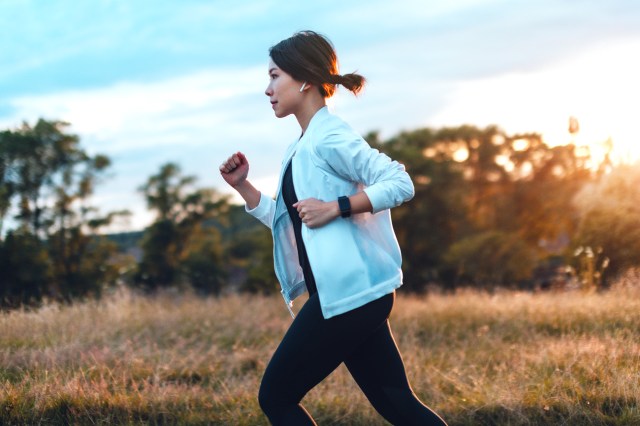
[{"x": 235, "y": 171}]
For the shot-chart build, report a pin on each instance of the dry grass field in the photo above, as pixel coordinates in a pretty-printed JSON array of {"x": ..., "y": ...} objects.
[{"x": 478, "y": 359}]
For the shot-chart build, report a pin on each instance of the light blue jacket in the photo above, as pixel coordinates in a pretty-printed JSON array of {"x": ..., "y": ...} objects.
[{"x": 354, "y": 260}]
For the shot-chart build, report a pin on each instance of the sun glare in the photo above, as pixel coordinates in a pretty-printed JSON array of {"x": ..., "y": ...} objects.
[
  {"x": 598, "y": 87},
  {"x": 601, "y": 138}
]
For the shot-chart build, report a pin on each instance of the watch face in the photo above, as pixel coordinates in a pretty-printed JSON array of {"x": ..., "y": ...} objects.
[{"x": 345, "y": 206}]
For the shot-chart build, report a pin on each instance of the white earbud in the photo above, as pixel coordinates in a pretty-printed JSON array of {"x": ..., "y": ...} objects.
[{"x": 303, "y": 86}]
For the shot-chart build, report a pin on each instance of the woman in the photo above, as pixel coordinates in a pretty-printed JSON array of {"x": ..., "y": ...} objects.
[{"x": 333, "y": 238}]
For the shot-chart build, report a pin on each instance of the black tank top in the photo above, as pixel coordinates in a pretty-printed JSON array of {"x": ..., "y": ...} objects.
[{"x": 290, "y": 198}]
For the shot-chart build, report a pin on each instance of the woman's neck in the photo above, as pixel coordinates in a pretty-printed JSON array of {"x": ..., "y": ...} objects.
[{"x": 308, "y": 110}]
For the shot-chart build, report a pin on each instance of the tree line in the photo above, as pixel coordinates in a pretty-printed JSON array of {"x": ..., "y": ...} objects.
[{"x": 490, "y": 209}]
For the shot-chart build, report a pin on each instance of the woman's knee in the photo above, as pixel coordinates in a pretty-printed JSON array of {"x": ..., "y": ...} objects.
[
  {"x": 280, "y": 408},
  {"x": 272, "y": 399},
  {"x": 266, "y": 397}
]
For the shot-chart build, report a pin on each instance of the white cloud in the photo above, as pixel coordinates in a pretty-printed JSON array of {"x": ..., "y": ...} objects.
[
  {"x": 597, "y": 86},
  {"x": 145, "y": 108}
]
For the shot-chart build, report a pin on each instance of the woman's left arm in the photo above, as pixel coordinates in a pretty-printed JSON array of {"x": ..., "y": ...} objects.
[
  {"x": 315, "y": 213},
  {"x": 387, "y": 184}
]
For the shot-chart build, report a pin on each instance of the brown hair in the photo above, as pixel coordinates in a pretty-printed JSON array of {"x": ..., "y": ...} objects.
[{"x": 309, "y": 56}]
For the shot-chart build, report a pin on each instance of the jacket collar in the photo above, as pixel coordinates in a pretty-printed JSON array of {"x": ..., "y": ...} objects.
[
  {"x": 291, "y": 151},
  {"x": 315, "y": 120}
]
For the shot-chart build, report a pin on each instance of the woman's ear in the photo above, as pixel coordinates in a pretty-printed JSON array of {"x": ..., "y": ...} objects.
[{"x": 303, "y": 86}]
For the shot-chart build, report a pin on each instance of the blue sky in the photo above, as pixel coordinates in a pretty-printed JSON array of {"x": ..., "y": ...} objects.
[{"x": 147, "y": 82}]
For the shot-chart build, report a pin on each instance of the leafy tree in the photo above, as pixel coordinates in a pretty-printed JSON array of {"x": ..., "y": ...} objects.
[
  {"x": 472, "y": 182},
  {"x": 248, "y": 249},
  {"x": 159, "y": 264},
  {"x": 609, "y": 214},
  {"x": 261, "y": 277},
  {"x": 202, "y": 261},
  {"x": 489, "y": 259},
  {"x": 25, "y": 270},
  {"x": 37, "y": 156},
  {"x": 165, "y": 192},
  {"x": 432, "y": 220},
  {"x": 544, "y": 181},
  {"x": 52, "y": 178},
  {"x": 180, "y": 247},
  {"x": 7, "y": 176}
]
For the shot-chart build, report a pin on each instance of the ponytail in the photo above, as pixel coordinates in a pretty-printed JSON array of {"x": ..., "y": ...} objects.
[{"x": 352, "y": 82}]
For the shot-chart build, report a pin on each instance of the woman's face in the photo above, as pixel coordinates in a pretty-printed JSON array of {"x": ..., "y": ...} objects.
[{"x": 283, "y": 91}]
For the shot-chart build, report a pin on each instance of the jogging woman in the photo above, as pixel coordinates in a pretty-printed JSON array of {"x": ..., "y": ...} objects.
[{"x": 333, "y": 238}]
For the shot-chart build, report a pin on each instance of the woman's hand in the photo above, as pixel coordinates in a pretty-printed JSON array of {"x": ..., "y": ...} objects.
[
  {"x": 315, "y": 213},
  {"x": 235, "y": 169}
]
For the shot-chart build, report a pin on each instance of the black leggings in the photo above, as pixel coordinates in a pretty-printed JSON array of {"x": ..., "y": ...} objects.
[{"x": 313, "y": 347}]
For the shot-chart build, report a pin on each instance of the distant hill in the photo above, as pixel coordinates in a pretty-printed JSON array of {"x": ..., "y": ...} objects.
[{"x": 125, "y": 240}]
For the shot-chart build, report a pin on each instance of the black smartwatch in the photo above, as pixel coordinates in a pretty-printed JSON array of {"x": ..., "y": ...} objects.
[{"x": 345, "y": 206}]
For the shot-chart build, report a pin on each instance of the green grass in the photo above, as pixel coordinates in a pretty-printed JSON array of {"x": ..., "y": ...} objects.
[{"x": 477, "y": 359}]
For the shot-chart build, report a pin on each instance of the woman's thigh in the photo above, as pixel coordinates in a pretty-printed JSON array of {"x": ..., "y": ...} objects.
[{"x": 314, "y": 347}]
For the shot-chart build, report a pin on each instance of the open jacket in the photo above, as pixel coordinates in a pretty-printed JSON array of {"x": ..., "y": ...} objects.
[{"x": 354, "y": 260}]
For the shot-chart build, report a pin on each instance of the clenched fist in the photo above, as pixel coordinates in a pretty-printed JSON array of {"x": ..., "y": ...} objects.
[
  {"x": 315, "y": 213},
  {"x": 235, "y": 169}
]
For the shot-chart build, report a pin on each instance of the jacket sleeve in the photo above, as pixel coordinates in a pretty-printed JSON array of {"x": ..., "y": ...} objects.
[
  {"x": 264, "y": 211},
  {"x": 387, "y": 184}
]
